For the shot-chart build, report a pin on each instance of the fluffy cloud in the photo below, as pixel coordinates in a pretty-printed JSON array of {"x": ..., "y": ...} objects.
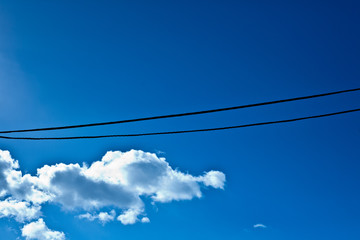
[
  {"x": 130, "y": 216},
  {"x": 21, "y": 211},
  {"x": 145, "y": 220},
  {"x": 214, "y": 179},
  {"x": 70, "y": 186},
  {"x": 119, "y": 181},
  {"x": 103, "y": 217},
  {"x": 39, "y": 230},
  {"x": 14, "y": 184}
]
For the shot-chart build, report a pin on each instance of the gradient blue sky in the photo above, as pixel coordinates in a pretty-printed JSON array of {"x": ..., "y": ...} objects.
[{"x": 71, "y": 62}]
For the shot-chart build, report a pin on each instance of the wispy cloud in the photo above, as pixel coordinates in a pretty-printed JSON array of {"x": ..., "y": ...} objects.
[
  {"x": 259, "y": 225},
  {"x": 118, "y": 181},
  {"x": 159, "y": 152}
]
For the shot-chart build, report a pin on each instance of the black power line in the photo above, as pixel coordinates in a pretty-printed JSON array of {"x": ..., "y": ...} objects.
[
  {"x": 184, "y": 131},
  {"x": 181, "y": 114}
]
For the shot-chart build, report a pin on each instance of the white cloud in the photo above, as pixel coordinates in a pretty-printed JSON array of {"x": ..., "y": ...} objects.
[
  {"x": 38, "y": 230},
  {"x": 130, "y": 216},
  {"x": 70, "y": 186},
  {"x": 88, "y": 216},
  {"x": 21, "y": 211},
  {"x": 14, "y": 184},
  {"x": 145, "y": 220},
  {"x": 214, "y": 179},
  {"x": 259, "y": 225},
  {"x": 103, "y": 217},
  {"x": 119, "y": 180}
]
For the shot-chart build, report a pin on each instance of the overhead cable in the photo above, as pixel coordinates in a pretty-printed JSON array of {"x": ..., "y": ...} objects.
[
  {"x": 181, "y": 114},
  {"x": 183, "y": 131}
]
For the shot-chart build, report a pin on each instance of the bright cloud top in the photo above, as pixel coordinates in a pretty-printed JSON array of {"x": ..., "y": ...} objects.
[
  {"x": 117, "y": 181},
  {"x": 39, "y": 230}
]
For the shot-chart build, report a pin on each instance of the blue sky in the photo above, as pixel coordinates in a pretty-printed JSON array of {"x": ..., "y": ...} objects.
[{"x": 73, "y": 62}]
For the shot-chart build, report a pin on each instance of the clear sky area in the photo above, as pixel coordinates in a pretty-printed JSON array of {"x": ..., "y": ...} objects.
[{"x": 75, "y": 62}]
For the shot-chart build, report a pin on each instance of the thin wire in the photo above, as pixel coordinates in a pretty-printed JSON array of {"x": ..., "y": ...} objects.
[
  {"x": 186, "y": 131},
  {"x": 180, "y": 114}
]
